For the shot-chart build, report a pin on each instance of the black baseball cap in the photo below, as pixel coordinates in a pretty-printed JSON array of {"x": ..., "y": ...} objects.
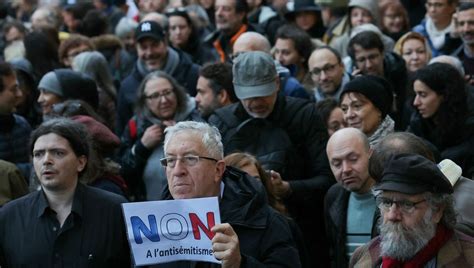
[
  {"x": 149, "y": 29},
  {"x": 413, "y": 174}
]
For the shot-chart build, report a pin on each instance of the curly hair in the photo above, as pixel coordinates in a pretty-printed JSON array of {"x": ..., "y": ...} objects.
[
  {"x": 301, "y": 40},
  {"x": 446, "y": 81}
]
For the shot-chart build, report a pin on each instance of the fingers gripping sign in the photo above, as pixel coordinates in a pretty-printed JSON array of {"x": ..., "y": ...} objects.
[{"x": 225, "y": 245}]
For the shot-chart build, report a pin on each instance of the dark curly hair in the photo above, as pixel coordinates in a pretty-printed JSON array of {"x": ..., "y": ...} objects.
[{"x": 451, "y": 115}]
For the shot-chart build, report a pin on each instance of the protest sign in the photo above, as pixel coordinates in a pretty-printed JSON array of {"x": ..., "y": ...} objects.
[{"x": 171, "y": 230}]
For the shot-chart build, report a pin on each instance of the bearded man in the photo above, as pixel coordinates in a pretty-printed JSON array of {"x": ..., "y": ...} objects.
[{"x": 417, "y": 219}]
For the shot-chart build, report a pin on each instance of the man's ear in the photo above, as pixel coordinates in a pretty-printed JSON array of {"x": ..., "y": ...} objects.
[
  {"x": 437, "y": 214},
  {"x": 223, "y": 97},
  {"x": 220, "y": 168}
]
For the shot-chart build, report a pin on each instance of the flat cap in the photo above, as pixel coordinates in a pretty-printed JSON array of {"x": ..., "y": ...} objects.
[{"x": 413, "y": 174}]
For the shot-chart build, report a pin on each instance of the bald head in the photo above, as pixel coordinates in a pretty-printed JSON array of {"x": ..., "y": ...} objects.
[
  {"x": 349, "y": 152},
  {"x": 161, "y": 19},
  {"x": 251, "y": 41},
  {"x": 345, "y": 134}
]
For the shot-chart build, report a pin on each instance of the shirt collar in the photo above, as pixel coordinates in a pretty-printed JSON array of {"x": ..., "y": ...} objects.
[{"x": 77, "y": 202}]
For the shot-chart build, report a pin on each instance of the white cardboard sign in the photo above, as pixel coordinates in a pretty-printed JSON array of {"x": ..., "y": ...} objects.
[{"x": 171, "y": 230}]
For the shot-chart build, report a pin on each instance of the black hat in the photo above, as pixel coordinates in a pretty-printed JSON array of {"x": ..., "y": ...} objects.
[
  {"x": 149, "y": 29},
  {"x": 413, "y": 174},
  {"x": 77, "y": 85},
  {"x": 374, "y": 88},
  {"x": 303, "y": 5}
]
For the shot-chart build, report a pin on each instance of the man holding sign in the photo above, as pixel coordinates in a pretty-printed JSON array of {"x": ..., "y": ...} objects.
[{"x": 253, "y": 234}]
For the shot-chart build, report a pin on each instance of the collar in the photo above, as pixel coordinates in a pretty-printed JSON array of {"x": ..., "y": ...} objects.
[
  {"x": 320, "y": 95},
  {"x": 77, "y": 202}
]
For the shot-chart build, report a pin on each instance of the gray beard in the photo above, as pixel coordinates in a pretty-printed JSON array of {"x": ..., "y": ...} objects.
[{"x": 401, "y": 243}]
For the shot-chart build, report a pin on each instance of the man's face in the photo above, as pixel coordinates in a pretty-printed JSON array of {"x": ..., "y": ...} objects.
[
  {"x": 46, "y": 101},
  {"x": 369, "y": 61},
  {"x": 152, "y": 52},
  {"x": 286, "y": 53},
  {"x": 206, "y": 100},
  {"x": 227, "y": 18},
  {"x": 56, "y": 165},
  {"x": 200, "y": 180},
  {"x": 10, "y": 96},
  {"x": 466, "y": 26},
  {"x": 260, "y": 107},
  {"x": 440, "y": 11},
  {"x": 325, "y": 70},
  {"x": 349, "y": 161},
  {"x": 405, "y": 232}
]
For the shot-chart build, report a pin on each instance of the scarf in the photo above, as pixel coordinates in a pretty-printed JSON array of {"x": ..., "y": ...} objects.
[
  {"x": 437, "y": 37},
  {"x": 386, "y": 127},
  {"x": 429, "y": 252},
  {"x": 172, "y": 62}
]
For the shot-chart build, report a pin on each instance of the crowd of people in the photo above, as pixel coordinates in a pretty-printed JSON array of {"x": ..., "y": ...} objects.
[{"x": 335, "y": 133}]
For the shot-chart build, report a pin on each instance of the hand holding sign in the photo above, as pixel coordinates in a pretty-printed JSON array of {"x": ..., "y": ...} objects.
[{"x": 225, "y": 245}]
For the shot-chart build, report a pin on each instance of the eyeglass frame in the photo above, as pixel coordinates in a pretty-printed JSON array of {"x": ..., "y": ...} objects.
[
  {"x": 405, "y": 206},
  {"x": 328, "y": 68},
  {"x": 157, "y": 95},
  {"x": 164, "y": 160}
]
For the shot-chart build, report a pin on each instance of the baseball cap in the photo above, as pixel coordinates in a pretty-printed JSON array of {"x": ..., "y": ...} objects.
[
  {"x": 149, "y": 29},
  {"x": 254, "y": 75}
]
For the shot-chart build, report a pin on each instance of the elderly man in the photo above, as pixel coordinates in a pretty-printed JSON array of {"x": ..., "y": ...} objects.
[
  {"x": 253, "y": 234},
  {"x": 66, "y": 223},
  {"x": 418, "y": 217},
  {"x": 328, "y": 73},
  {"x": 295, "y": 149},
  {"x": 349, "y": 205}
]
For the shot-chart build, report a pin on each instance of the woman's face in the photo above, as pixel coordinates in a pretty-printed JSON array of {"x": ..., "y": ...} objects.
[
  {"x": 414, "y": 54},
  {"x": 360, "y": 113},
  {"x": 251, "y": 169},
  {"x": 160, "y": 98},
  {"x": 306, "y": 19},
  {"x": 179, "y": 31},
  {"x": 335, "y": 121},
  {"x": 46, "y": 101},
  {"x": 427, "y": 101},
  {"x": 393, "y": 20},
  {"x": 360, "y": 16}
]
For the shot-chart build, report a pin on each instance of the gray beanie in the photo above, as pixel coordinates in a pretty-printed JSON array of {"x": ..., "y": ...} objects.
[{"x": 50, "y": 83}]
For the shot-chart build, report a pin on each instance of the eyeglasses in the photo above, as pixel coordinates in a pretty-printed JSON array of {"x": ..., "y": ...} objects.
[
  {"x": 434, "y": 5},
  {"x": 326, "y": 69},
  {"x": 187, "y": 160},
  {"x": 406, "y": 206},
  {"x": 157, "y": 95},
  {"x": 370, "y": 58}
]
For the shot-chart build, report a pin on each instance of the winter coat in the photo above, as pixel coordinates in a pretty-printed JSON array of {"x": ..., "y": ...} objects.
[
  {"x": 264, "y": 236},
  {"x": 335, "y": 215}
]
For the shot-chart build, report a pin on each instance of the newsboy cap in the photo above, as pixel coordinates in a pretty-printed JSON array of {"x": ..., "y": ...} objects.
[{"x": 413, "y": 174}]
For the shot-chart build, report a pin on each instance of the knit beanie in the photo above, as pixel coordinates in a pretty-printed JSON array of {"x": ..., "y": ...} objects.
[
  {"x": 369, "y": 5},
  {"x": 79, "y": 86},
  {"x": 50, "y": 83},
  {"x": 375, "y": 89}
]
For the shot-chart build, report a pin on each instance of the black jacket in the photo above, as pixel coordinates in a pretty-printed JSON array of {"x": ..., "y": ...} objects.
[
  {"x": 335, "y": 215},
  {"x": 264, "y": 235},
  {"x": 304, "y": 166},
  {"x": 396, "y": 74}
]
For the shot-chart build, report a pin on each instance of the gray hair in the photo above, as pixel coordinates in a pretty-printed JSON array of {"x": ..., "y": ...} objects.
[
  {"x": 453, "y": 61},
  {"x": 95, "y": 65},
  {"x": 125, "y": 27},
  {"x": 211, "y": 138}
]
